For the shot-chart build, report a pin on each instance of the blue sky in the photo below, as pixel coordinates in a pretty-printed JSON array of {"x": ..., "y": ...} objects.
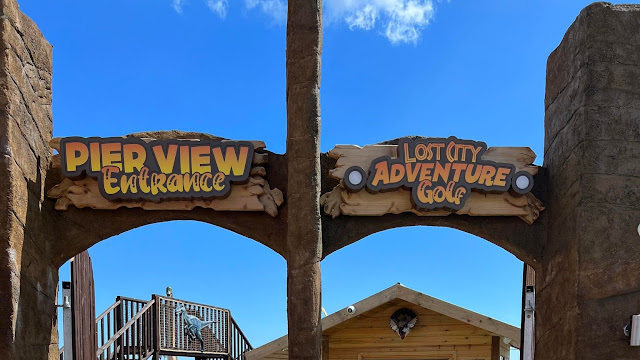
[{"x": 391, "y": 68}]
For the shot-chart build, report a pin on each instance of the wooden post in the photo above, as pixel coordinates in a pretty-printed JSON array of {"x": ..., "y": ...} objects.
[
  {"x": 228, "y": 321},
  {"x": 173, "y": 334},
  {"x": 118, "y": 324},
  {"x": 495, "y": 348},
  {"x": 325, "y": 347},
  {"x": 156, "y": 327},
  {"x": 304, "y": 238},
  {"x": 85, "y": 340}
]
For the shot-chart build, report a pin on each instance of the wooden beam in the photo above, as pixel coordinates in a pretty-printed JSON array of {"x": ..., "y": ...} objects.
[
  {"x": 467, "y": 316},
  {"x": 495, "y": 348}
]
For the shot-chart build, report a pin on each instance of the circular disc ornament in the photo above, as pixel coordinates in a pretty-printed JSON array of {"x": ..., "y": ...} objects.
[
  {"x": 355, "y": 178},
  {"x": 522, "y": 182}
]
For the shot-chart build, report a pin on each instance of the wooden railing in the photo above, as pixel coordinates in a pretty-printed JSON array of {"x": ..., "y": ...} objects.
[
  {"x": 126, "y": 329},
  {"x": 135, "y": 329},
  {"x": 238, "y": 343},
  {"x": 174, "y": 340}
]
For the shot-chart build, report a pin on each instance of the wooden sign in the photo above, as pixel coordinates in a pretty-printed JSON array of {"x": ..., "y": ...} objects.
[
  {"x": 174, "y": 174},
  {"x": 433, "y": 177},
  {"x": 129, "y": 168}
]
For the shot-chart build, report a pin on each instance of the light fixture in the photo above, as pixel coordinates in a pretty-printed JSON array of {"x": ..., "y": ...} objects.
[
  {"x": 522, "y": 182},
  {"x": 635, "y": 331},
  {"x": 354, "y": 178}
]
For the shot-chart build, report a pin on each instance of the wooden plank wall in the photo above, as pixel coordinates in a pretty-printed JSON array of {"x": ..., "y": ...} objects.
[
  {"x": 83, "y": 308},
  {"x": 435, "y": 336}
]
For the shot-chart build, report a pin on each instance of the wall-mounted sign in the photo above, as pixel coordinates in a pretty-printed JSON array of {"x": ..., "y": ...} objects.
[
  {"x": 433, "y": 177},
  {"x": 130, "y": 168},
  {"x": 177, "y": 171},
  {"x": 439, "y": 172}
]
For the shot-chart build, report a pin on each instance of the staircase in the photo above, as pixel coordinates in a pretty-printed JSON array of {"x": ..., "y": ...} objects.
[{"x": 133, "y": 329}]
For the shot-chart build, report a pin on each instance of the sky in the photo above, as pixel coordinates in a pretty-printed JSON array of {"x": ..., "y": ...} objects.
[{"x": 390, "y": 68}]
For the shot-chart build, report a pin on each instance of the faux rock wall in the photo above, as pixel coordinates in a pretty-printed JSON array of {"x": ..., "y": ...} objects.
[
  {"x": 27, "y": 280},
  {"x": 590, "y": 273},
  {"x": 589, "y": 268}
]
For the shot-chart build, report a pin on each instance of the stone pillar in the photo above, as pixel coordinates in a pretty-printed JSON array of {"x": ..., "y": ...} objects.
[
  {"x": 27, "y": 279},
  {"x": 304, "y": 237},
  {"x": 589, "y": 279}
]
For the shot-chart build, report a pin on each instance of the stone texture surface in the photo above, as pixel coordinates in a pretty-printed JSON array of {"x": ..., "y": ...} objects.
[
  {"x": 589, "y": 281},
  {"x": 304, "y": 230},
  {"x": 28, "y": 279},
  {"x": 584, "y": 246}
]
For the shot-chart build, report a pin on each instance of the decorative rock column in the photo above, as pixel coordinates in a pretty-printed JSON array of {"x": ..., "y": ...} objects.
[
  {"x": 589, "y": 279},
  {"x": 304, "y": 237},
  {"x": 27, "y": 279}
]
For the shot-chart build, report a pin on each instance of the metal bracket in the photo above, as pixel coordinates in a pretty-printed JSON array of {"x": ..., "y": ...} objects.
[
  {"x": 530, "y": 299},
  {"x": 66, "y": 303}
]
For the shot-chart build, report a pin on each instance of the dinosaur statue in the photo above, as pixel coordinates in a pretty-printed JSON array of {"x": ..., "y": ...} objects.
[{"x": 193, "y": 325}]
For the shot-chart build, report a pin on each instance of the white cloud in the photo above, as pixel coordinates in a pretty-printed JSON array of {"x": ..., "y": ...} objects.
[
  {"x": 219, "y": 7},
  {"x": 275, "y": 9},
  {"x": 364, "y": 18},
  {"x": 177, "y": 5},
  {"x": 400, "y": 21}
]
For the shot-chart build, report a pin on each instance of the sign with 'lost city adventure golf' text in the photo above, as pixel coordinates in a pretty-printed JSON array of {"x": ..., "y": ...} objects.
[
  {"x": 440, "y": 173},
  {"x": 130, "y": 168}
]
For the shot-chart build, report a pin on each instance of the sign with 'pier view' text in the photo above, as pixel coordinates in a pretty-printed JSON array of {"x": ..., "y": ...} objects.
[
  {"x": 439, "y": 172},
  {"x": 130, "y": 168}
]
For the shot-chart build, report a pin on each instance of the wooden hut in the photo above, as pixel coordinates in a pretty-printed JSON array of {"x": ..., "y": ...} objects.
[{"x": 440, "y": 331}]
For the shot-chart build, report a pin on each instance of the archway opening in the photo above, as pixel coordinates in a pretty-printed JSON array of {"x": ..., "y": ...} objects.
[
  {"x": 444, "y": 263},
  {"x": 202, "y": 264}
]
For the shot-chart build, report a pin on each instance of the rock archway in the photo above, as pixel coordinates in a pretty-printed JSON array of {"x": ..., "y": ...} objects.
[{"x": 584, "y": 246}]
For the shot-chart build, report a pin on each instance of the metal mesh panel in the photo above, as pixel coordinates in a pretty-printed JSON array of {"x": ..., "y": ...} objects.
[{"x": 173, "y": 327}]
